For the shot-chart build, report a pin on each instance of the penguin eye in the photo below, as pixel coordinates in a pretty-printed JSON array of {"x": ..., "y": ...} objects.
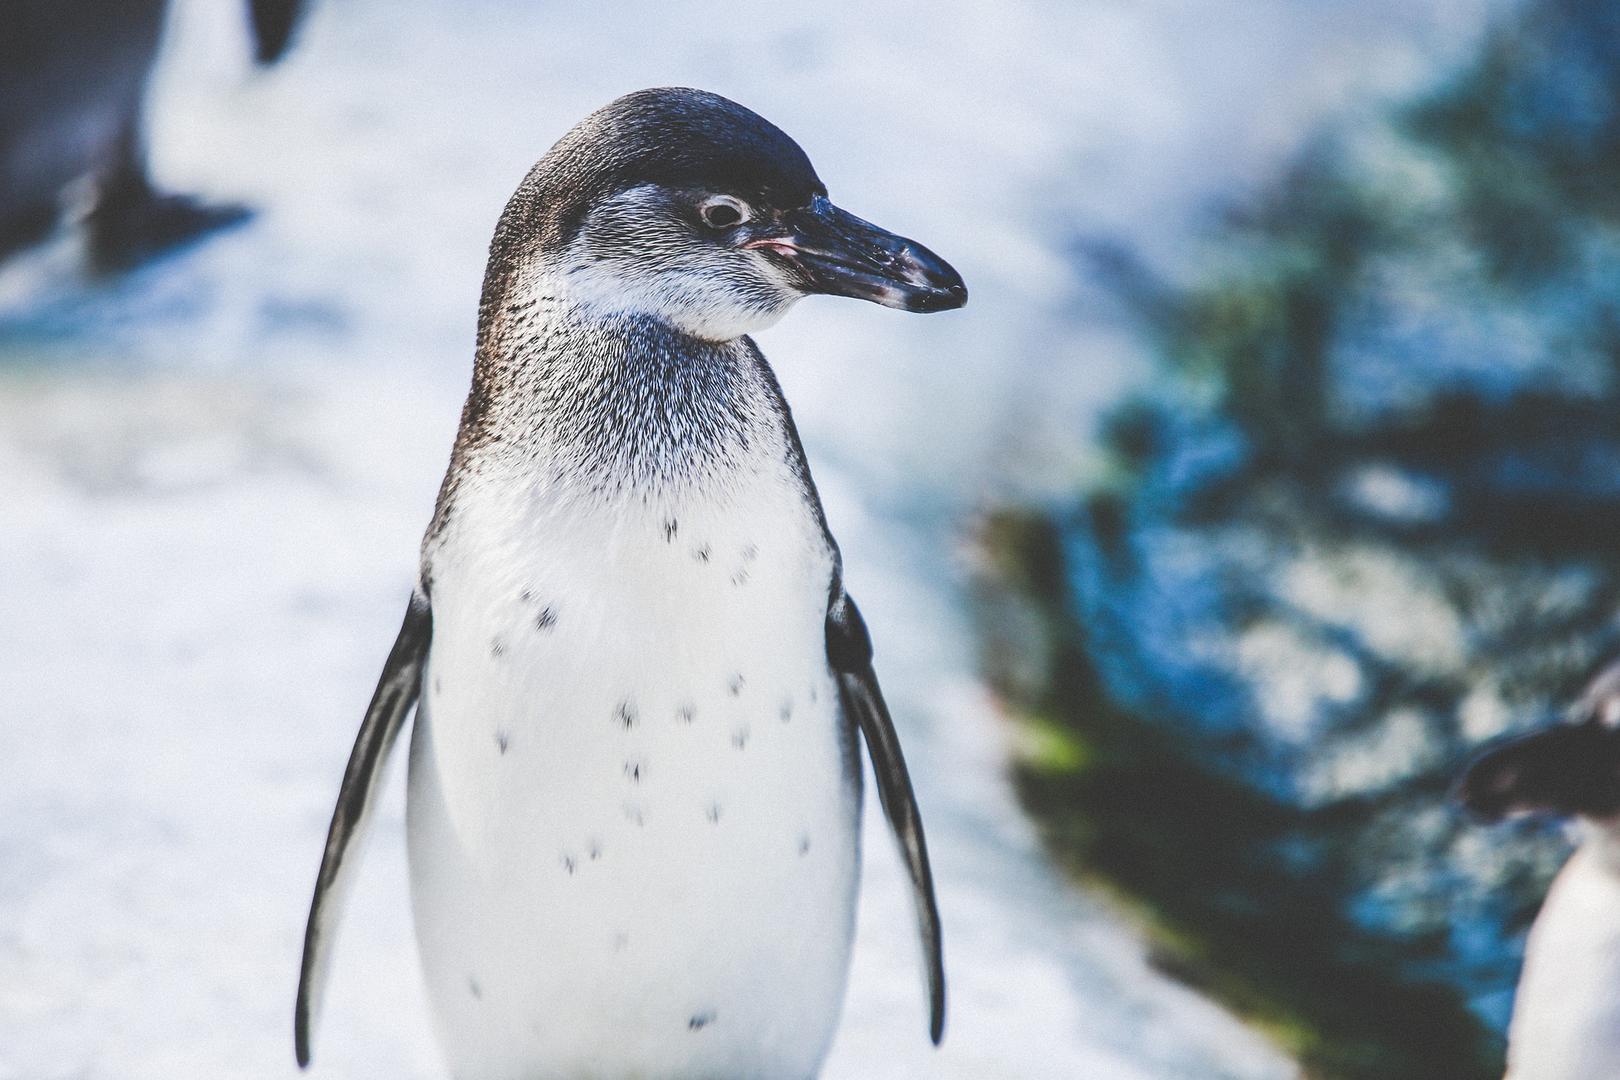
[{"x": 722, "y": 212}]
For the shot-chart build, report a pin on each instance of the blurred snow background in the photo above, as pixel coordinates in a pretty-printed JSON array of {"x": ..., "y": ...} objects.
[{"x": 216, "y": 471}]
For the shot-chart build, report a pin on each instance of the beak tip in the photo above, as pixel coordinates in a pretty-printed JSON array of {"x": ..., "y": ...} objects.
[{"x": 935, "y": 299}]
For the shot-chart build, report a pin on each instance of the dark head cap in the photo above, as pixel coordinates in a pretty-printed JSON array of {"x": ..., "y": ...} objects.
[
  {"x": 681, "y": 206},
  {"x": 672, "y": 136}
]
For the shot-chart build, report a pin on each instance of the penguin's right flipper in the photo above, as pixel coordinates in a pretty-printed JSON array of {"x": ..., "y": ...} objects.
[{"x": 397, "y": 691}]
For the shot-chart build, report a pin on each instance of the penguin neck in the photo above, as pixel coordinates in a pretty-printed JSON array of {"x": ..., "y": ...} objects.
[
  {"x": 613, "y": 398},
  {"x": 547, "y": 316}
]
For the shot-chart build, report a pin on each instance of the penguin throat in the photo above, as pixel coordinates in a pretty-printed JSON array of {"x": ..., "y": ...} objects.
[{"x": 617, "y": 399}]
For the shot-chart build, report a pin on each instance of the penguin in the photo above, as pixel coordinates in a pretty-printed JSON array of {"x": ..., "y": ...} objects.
[
  {"x": 1566, "y": 1010},
  {"x": 634, "y": 783},
  {"x": 73, "y": 75}
]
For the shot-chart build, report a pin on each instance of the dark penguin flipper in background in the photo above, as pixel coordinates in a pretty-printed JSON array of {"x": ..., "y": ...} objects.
[
  {"x": 72, "y": 77},
  {"x": 273, "y": 24},
  {"x": 1566, "y": 770},
  {"x": 131, "y": 221},
  {"x": 397, "y": 691},
  {"x": 73, "y": 80},
  {"x": 849, "y": 650}
]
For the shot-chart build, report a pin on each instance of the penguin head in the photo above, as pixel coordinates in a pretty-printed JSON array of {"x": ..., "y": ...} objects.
[
  {"x": 686, "y": 207},
  {"x": 1569, "y": 769}
]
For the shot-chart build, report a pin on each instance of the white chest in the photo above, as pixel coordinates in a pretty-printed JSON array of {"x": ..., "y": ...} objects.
[
  {"x": 633, "y": 823},
  {"x": 1566, "y": 1015}
]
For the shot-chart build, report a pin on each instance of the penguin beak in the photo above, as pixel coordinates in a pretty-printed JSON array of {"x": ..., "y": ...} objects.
[{"x": 833, "y": 252}]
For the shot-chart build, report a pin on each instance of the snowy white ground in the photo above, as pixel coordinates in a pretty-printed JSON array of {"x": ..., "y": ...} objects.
[{"x": 215, "y": 473}]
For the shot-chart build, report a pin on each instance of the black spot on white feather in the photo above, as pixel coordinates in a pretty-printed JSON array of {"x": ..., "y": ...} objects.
[
  {"x": 713, "y": 813},
  {"x": 786, "y": 711},
  {"x": 749, "y": 553},
  {"x": 671, "y": 527},
  {"x": 739, "y": 738},
  {"x": 633, "y": 814},
  {"x": 568, "y": 864},
  {"x": 497, "y": 647},
  {"x": 740, "y": 577},
  {"x": 438, "y": 686},
  {"x": 804, "y": 845},
  {"x": 815, "y": 695},
  {"x": 626, "y": 714},
  {"x": 735, "y": 684},
  {"x": 686, "y": 714},
  {"x": 596, "y": 849},
  {"x": 546, "y": 619},
  {"x": 476, "y": 990},
  {"x": 526, "y": 597},
  {"x": 632, "y": 771},
  {"x": 700, "y": 1021},
  {"x": 503, "y": 741},
  {"x": 702, "y": 553}
]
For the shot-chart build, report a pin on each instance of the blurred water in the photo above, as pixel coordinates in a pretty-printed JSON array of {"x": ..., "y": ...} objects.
[{"x": 218, "y": 467}]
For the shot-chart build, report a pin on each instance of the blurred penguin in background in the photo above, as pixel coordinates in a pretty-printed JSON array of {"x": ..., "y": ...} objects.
[
  {"x": 1566, "y": 1013},
  {"x": 73, "y": 74}
]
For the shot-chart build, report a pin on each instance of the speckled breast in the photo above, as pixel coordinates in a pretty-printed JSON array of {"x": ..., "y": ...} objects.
[{"x": 632, "y": 806}]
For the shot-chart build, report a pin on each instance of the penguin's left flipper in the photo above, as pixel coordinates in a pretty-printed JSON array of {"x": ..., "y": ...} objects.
[
  {"x": 397, "y": 691},
  {"x": 849, "y": 651}
]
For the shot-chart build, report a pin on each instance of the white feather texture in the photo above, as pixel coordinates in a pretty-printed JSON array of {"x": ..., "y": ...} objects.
[
  {"x": 1566, "y": 1015},
  {"x": 630, "y": 257},
  {"x": 632, "y": 814}
]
